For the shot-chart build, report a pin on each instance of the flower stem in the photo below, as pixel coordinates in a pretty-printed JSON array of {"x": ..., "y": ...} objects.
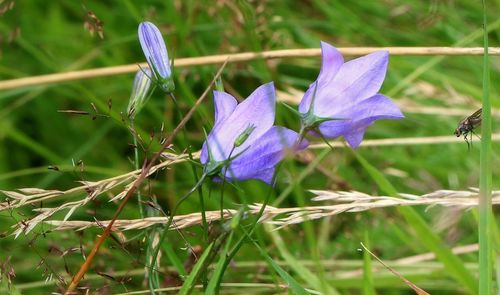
[
  {"x": 300, "y": 138},
  {"x": 172, "y": 215},
  {"x": 200, "y": 190},
  {"x": 153, "y": 279},
  {"x": 327, "y": 143},
  {"x": 136, "y": 163},
  {"x": 240, "y": 242},
  {"x": 193, "y": 167},
  {"x": 136, "y": 184},
  {"x": 224, "y": 171}
]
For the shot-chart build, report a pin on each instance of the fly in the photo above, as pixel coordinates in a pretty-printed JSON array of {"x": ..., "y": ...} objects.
[{"x": 466, "y": 127}]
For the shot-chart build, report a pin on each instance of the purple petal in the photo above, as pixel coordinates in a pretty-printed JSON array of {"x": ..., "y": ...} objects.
[
  {"x": 204, "y": 153},
  {"x": 154, "y": 49},
  {"x": 354, "y": 138},
  {"x": 266, "y": 175},
  {"x": 356, "y": 80},
  {"x": 224, "y": 104},
  {"x": 257, "y": 110},
  {"x": 331, "y": 63},
  {"x": 359, "y": 118},
  {"x": 264, "y": 153}
]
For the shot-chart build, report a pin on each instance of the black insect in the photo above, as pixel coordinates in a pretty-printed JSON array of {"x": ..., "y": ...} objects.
[{"x": 466, "y": 127}]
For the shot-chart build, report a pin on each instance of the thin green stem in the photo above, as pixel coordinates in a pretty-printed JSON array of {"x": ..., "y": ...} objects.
[
  {"x": 485, "y": 215},
  {"x": 171, "y": 217},
  {"x": 200, "y": 190},
  {"x": 225, "y": 169},
  {"x": 193, "y": 167},
  {"x": 152, "y": 282},
  {"x": 239, "y": 243},
  {"x": 136, "y": 163}
]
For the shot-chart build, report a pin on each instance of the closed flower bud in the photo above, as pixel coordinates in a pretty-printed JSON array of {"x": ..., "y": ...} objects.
[
  {"x": 244, "y": 136},
  {"x": 156, "y": 55},
  {"x": 140, "y": 92}
]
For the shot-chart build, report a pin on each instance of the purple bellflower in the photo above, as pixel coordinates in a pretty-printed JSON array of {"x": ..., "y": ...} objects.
[
  {"x": 344, "y": 100},
  {"x": 156, "y": 54},
  {"x": 244, "y": 143},
  {"x": 140, "y": 92}
]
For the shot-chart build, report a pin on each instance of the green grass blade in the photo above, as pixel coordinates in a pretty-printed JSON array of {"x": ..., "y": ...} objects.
[
  {"x": 174, "y": 259},
  {"x": 190, "y": 282},
  {"x": 297, "y": 266},
  {"x": 497, "y": 273},
  {"x": 485, "y": 178},
  {"x": 368, "y": 287},
  {"x": 454, "y": 266},
  {"x": 292, "y": 283},
  {"x": 214, "y": 283}
]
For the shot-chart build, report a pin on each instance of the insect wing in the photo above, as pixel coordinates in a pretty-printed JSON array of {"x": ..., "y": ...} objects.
[{"x": 475, "y": 119}]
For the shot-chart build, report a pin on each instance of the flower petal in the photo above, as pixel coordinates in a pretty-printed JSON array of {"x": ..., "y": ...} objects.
[
  {"x": 265, "y": 175},
  {"x": 204, "y": 153},
  {"x": 264, "y": 153},
  {"x": 224, "y": 104},
  {"x": 257, "y": 110},
  {"x": 359, "y": 118},
  {"x": 154, "y": 49},
  {"x": 354, "y": 138},
  {"x": 356, "y": 80},
  {"x": 331, "y": 63},
  {"x": 140, "y": 91}
]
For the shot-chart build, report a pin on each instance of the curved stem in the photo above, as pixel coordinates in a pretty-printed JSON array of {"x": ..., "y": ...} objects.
[
  {"x": 152, "y": 282},
  {"x": 193, "y": 168},
  {"x": 147, "y": 166},
  {"x": 136, "y": 163},
  {"x": 171, "y": 217}
]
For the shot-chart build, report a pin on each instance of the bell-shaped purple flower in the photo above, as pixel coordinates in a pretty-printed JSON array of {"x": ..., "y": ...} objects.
[
  {"x": 344, "y": 100},
  {"x": 156, "y": 54},
  {"x": 140, "y": 92},
  {"x": 244, "y": 143}
]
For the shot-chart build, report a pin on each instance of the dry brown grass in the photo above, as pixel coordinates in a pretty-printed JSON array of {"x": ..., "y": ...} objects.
[{"x": 343, "y": 202}]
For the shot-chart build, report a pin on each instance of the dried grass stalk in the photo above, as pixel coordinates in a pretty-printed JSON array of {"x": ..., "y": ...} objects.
[
  {"x": 26, "y": 196},
  {"x": 344, "y": 202},
  {"x": 238, "y": 57}
]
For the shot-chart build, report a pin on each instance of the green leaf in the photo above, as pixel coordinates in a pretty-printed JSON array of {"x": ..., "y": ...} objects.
[
  {"x": 174, "y": 259},
  {"x": 213, "y": 284},
  {"x": 368, "y": 287},
  {"x": 292, "y": 283},
  {"x": 190, "y": 282}
]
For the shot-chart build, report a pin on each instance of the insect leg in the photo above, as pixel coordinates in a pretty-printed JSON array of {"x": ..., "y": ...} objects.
[
  {"x": 468, "y": 141},
  {"x": 476, "y": 134}
]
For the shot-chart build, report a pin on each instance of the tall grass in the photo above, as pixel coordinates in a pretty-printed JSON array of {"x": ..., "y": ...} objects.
[
  {"x": 312, "y": 256},
  {"x": 485, "y": 181}
]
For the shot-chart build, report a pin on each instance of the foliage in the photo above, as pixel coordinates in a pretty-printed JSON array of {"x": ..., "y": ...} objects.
[{"x": 434, "y": 92}]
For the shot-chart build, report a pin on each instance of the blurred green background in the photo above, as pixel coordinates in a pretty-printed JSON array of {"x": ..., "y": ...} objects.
[{"x": 39, "y": 37}]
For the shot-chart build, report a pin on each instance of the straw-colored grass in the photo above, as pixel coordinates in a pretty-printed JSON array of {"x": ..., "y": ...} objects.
[
  {"x": 344, "y": 202},
  {"x": 237, "y": 57}
]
